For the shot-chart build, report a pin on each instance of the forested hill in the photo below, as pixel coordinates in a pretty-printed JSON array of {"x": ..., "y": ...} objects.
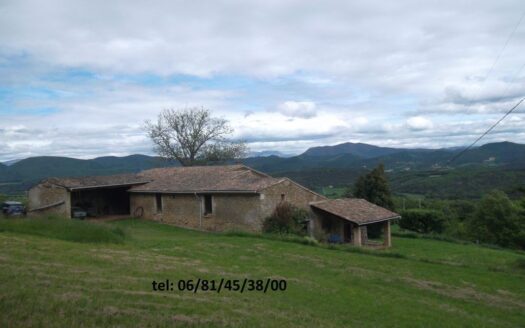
[
  {"x": 423, "y": 171},
  {"x": 360, "y": 149},
  {"x": 22, "y": 174}
]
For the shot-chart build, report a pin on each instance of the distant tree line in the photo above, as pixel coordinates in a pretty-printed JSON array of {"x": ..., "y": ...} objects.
[{"x": 495, "y": 219}]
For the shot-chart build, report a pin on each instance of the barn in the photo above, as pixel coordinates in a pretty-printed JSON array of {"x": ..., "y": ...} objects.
[{"x": 212, "y": 198}]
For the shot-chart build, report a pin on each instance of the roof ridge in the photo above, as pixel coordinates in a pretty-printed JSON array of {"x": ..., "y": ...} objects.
[
  {"x": 205, "y": 178},
  {"x": 255, "y": 171}
]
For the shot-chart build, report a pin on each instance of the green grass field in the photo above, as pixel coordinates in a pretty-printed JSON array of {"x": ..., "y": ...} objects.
[{"x": 47, "y": 281}]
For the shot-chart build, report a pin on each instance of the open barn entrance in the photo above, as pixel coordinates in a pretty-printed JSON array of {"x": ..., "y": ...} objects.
[
  {"x": 98, "y": 202},
  {"x": 350, "y": 220}
]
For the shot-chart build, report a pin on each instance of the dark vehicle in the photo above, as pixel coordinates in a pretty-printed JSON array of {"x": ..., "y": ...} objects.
[
  {"x": 11, "y": 208},
  {"x": 78, "y": 213}
]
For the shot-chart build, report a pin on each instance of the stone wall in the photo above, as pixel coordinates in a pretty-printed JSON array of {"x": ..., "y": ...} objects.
[
  {"x": 181, "y": 210},
  {"x": 235, "y": 212},
  {"x": 293, "y": 193},
  {"x": 288, "y": 191},
  {"x": 44, "y": 194},
  {"x": 325, "y": 224},
  {"x": 143, "y": 205},
  {"x": 230, "y": 211}
]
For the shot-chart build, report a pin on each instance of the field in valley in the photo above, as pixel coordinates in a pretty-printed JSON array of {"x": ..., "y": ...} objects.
[{"x": 49, "y": 277}]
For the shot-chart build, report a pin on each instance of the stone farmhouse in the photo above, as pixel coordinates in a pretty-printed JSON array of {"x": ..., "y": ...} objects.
[{"x": 213, "y": 198}]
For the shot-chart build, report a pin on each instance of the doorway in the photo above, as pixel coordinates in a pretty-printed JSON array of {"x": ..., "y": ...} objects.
[
  {"x": 102, "y": 201},
  {"x": 347, "y": 232}
]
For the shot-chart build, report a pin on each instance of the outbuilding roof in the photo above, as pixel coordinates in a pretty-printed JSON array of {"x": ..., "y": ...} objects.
[
  {"x": 214, "y": 179},
  {"x": 356, "y": 210},
  {"x": 91, "y": 182},
  {"x": 192, "y": 179}
]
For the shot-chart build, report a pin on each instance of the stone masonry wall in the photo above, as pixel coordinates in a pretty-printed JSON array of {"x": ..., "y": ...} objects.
[
  {"x": 230, "y": 211},
  {"x": 293, "y": 193},
  {"x": 45, "y": 194},
  {"x": 143, "y": 205}
]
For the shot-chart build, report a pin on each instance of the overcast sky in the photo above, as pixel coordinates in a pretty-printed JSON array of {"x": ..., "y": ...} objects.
[{"x": 79, "y": 78}]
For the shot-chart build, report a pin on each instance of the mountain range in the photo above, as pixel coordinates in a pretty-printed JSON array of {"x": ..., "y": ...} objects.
[
  {"x": 359, "y": 149},
  {"x": 337, "y": 165},
  {"x": 358, "y": 155}
]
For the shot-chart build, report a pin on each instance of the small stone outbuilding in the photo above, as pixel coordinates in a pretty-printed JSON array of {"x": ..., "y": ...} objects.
[
  {"x": 213, "y": 198},
  {"x": 99, "y": 195},
  {"x": 347, "y": 219}
]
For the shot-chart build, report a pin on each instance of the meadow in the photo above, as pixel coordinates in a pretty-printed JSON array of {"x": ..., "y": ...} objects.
[{"x": 53, "y": 275}]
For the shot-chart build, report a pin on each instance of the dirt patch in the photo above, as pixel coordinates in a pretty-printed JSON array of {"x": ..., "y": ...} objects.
[
  {"x": 113, "y": 310},
  {"x": 69, "y": 296},
  {"x": 467, "y": 293},
  {"x": 318, "y": 262},
  {"x": 188, "y": 297},
  {"x": 168, "y": 262},
  {"x": 183, "y": 318},
  {"x": 222, "y": 245},
  {"x": 445, "y": 307}
]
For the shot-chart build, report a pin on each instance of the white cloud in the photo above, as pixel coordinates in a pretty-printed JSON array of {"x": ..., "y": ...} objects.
[
  {"x": 268, "y": 126},
  {"x": 303, "y": 109},
  {"x": 419, "y": 123},
  {"x": 360, "y": 120},
  {"x": 389, "y": 73},
  {"x": 390, "y": 46}
]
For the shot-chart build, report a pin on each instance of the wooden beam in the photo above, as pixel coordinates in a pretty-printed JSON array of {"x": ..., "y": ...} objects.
[
  {"x": 356, "y": 235},
  {"x": 387, "y": 238}
]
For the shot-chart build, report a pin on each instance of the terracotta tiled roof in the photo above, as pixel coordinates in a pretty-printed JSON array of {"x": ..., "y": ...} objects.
[
  {"x": 98, "y": 181},
  {"x": 230, "y": 178},
  {"x": 355, "y": 210}
]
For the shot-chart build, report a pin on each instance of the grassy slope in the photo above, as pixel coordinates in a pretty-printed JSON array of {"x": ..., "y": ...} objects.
[{"x": 51, "y": 282}]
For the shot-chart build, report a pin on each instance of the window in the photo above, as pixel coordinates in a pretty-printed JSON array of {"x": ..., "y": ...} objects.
[
  {"x": 158, "y": 202},
  {"x": 283, "y": 196},
  {"x": 208, "y": 205}
]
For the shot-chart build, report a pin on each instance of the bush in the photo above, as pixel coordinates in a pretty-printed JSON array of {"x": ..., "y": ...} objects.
[
  {"x": 321, "y": 235},
  {"x": 64, "y": 229},
  {"x": 286, "y": 219},
  {"x": 497, "y": 221},
  {"x": 310, "y": 241},
  {"x": 422, "y": 220}
]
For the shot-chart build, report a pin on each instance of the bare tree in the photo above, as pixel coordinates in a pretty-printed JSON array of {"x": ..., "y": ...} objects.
[{"x": 193, "y": 136}]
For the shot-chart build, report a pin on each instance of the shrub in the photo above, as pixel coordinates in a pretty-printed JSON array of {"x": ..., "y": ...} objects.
[
  {"x": 286, "y": 219},
  {"x": 422, "y": 220},
  {"x": 497, "y": 221},
  {"x": 519, "y": 239},
  {"x": 310, "y": 241},
  {"x": 321, "y": 235}
]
